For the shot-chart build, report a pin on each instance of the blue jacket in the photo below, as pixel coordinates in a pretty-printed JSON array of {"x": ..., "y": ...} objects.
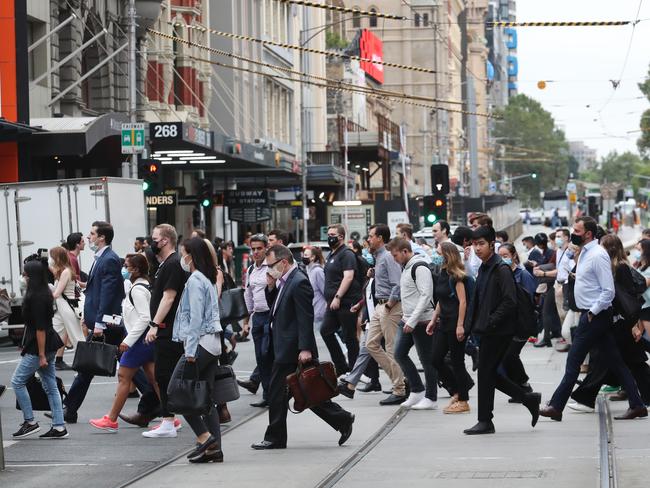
[
  {"x": 104, "y": 289},
  {"x": 197, "y": 313}
]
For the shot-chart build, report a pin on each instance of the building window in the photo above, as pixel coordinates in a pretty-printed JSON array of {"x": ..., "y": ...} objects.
[
  {"x": 373, "y": 19},
  {"x": 278, "y": 101},
  {"x": 356, "y": 19},
  {"x": 416, "y": 20},
  {"x": 276, "y": 20},
  {"x": 425, "y": 20}
]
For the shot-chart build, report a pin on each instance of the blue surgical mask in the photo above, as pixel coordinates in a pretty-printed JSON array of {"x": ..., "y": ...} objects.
[
  {"x": 636, "y": 255},
  {"x": 437, "y": 259},
  {"x": 125, "y": 274},
  {"x": 367, "y": 255},
  {"x": 559, "y": 242},
  {"x": 508, "y": 261}
]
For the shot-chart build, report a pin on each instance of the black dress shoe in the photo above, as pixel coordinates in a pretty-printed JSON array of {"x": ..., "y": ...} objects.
[
  {"x": 260, "y": 404},
  {"x": 263, "y": 445},
  {"x": 249, "y": 385},
  {"x": 347, "y": 432},
  {"x": 531, "y": 402},
  {"x": 481, "y": 428},
  {"x": 139, "y": 419},
  {"x": 546, "y": 343},
  {"x": 200, "y": 449},
  {"x": 551, "y": 412},
  {"x": 393, "y": 399},
  {"x": 343, "y": 389},
  {"x": 209, "y": 456},
  {"x": 368, "y": 387},
  {"x": 387, "y": 392},
  {"x": 633, "y": 413}
]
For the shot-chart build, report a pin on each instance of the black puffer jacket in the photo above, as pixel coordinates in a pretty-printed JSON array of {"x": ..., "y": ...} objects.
[{"x": 494, "y": 305}]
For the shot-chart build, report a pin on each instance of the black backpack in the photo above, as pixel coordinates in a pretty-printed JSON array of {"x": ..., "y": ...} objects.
[{"x": 526, "y": 314}]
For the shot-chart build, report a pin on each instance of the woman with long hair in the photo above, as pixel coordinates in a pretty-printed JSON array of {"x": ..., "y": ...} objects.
[
  {"x": 136, "y": 353},
  {"x": 312, "y": 258},
  {"x": 40, "y": 343},
  {"x": 451, "y": 292},
  {"x": 626, "y": 334},
  {"x": 643, "y": 259},
  {"x": 66, "y": 322},
  {"x": 198, "y": 327}
]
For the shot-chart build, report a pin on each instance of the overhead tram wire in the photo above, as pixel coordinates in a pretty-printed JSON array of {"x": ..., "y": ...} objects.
[
  {"x": 308, "y": 49},
  {"x": 346, "y": 10},
  {"x": 605, "y": 23}
]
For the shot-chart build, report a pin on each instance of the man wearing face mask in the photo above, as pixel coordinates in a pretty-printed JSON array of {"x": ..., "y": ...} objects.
[
  {"x": 104, "y": 294},
  {"x": 168, "y": 285},
  {"x": 341, "y": 292},
  {"x": 292, "y": 341},
  {"x": 594, "y": 293}
]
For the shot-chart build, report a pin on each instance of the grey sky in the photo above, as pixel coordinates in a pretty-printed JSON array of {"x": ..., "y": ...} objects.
[{"x": 582, "y": 60}]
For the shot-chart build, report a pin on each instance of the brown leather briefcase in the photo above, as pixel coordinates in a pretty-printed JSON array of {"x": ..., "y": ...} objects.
[{"x": 312, "y": 384}]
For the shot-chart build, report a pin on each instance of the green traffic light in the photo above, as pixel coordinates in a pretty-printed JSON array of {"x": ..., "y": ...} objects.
[
  {"x": 145, "y": 185},
  {"x": 431, "y": 218},
  {"x": 534, "y": 176},
  {"x": 205, "y": 202}
]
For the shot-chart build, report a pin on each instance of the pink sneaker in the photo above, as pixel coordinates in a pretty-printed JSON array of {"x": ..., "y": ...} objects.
[
  {"x": 104, "y": 424},
  {"x": 177, "y": 425}
]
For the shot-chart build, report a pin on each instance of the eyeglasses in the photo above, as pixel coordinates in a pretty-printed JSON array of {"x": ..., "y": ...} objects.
[{"x": 270, "y": 265}]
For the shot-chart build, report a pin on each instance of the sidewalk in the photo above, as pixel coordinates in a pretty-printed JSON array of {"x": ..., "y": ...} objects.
[{"x": 423, "y": 447}]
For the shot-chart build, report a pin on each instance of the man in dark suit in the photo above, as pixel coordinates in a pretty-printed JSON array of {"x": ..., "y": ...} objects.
[
  {"x": 292, "y": 341},
  {"x": 104, "y": 294}
]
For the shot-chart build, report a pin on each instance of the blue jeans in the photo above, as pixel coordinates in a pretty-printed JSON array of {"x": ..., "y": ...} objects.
[
  {"x": 424, "y": 347},
  {"x": 29, "y": 365},
  {"x": 599, "y": 334},
  {"x": 261, "y": 339}
]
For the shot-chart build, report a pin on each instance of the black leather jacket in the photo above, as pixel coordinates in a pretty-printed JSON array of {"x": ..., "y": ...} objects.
[{"x": 494, "y": 305}]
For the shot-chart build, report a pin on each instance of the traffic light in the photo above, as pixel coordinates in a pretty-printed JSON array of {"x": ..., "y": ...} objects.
[
  {"x": 534, "y": 176},
  {"x": 434, "y": 209},
  {"x": 149, "y": 171},
  {"x": 204, "y": 196},
  {"x": 440, "y": 179}
]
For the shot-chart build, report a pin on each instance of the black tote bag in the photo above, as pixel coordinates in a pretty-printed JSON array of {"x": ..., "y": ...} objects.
[
  {"x": 188, "y": 396},
  {"x": 232, "y": 305},
  {"x": 38, "y": 396},
  {"x": 95, "y": 358}
]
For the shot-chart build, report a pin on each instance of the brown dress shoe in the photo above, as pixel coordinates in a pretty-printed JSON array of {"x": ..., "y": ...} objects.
[
  {"x": 137, "y": 418},
  {"x": 224, "y": 414},
  {"x": 551, "y": 412},
  {"x": 633, "y": 413}
]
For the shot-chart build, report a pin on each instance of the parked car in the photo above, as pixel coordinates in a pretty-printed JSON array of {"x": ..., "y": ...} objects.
[{"x": 536, "y": 215}]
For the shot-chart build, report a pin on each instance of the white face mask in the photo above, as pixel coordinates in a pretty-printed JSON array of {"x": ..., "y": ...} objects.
[
  {"x": 275, "y": 273},
  {"x": 50, "y": 262},
  {"x": 185, "y": 265}
]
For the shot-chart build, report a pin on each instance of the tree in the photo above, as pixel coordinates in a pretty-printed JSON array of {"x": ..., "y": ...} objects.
[
  {"x": 532, "y": 144},
  {"x": 644, "y": 141},
  {"x": 619, "y": 168}
]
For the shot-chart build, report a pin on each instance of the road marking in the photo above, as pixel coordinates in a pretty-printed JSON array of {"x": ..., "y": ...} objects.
[
  {"x": 13, "y": 465},
  {"x": 6, "y": 444},
  {"x": 10, "y": 361}
]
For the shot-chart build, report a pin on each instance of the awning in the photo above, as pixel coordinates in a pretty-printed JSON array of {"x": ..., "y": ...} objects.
[
  {"x": 14, "y": 131},
  {"x": 74, "y": 136}
]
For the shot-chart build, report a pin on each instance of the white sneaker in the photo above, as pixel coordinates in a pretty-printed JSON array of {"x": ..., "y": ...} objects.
[
  {"x": 162, "y": 430},
  {"x": 579, "y": 407},
  {"x": 425, "y": 404},
  {"x": 413, "y": 399}
]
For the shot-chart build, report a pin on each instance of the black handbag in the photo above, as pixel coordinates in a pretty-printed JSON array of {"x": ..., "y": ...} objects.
[
  {"x": 38, "y": 396},
  {"x": 225, "y": 388},
  {"x": 95, "y": 358},
  {"x": 188, "y": 396},
  {"x": 232, "y": 305}
]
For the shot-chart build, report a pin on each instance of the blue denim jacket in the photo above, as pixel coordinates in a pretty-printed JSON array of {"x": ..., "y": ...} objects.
[{"x": 197, "y": 314}]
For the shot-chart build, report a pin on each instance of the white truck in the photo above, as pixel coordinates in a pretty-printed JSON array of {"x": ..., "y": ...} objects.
[{"x": 41, "y": 214}]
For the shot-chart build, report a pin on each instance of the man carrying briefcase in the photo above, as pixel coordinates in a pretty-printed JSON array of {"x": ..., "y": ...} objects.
[{"x": 292, "y": 341}]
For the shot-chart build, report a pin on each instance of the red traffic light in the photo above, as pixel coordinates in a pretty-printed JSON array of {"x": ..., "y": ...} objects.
[
  {"x": 439, "y": 203},
  {"x": 153, "y": 168}
]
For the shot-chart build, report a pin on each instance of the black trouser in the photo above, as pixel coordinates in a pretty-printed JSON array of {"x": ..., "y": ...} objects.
[
  {"x": 166, "y": 356},
  {"x": 597, "y": 334},
  {"x": 490, "y": 356},
  {"x": 276, "y": 432},
  {"x": 206, "y": 364},
  {"x": 550, "y": 317},
  {"x": 81, "y": 383},
  {"x": 457, "y": 380},
  {"x": 347, "y": 322},
  {"x": 512, "y": 366},
  {"x": 600, "y": 374}
]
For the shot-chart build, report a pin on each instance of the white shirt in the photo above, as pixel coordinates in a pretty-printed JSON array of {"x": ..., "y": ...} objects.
[
  {"x": 564, "y": 265},
  {"x": 594, "y": 289},
  {"x": 136, "y": 316}
]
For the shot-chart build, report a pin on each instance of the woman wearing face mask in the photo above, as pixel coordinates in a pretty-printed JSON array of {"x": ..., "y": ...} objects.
[
  {"x": 66, "y": 322},
  {"x": 197, "y": 326},
  {"x": 512, "y": 365},
  {"x": 643, "y": 257},
  {"x": 312, "y": 258},
  {"x": 136, "y": 353}
]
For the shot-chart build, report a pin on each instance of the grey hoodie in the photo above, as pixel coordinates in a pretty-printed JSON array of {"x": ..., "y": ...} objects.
[{"x": 417, "y": 296}]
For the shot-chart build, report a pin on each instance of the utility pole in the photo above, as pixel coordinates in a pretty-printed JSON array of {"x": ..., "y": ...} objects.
[
  {"x": 132, "y": 80},
  {"x": 474, "y": 188},
  {"x": 347, "y": 164},
  {"x": 306, "y": 124}
]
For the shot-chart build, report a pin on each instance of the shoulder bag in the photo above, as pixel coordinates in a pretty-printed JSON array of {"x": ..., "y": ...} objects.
[
  {"x": 38, "y": 396},
  {"x": 232, "y": 305},
  {"x": 312, "y": 385},
  {"x": 95, "y": 358},
  {"x": 188, "y": 396}
]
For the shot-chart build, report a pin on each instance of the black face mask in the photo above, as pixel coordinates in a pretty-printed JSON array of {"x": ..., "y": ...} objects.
[
  {"x": 306, "y": 261},
  {"x": 577, "y": 240},
  {"x": 154, "y": 247},
  {"x": 333, "y": 241}
]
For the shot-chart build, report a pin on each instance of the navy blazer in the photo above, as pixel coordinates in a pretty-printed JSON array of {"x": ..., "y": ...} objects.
[
  {"x": 292, "y": 321},
  {"x": 104, "y": 288}
]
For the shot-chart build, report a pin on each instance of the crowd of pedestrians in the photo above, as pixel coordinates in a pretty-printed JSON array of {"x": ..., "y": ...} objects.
[{"x": 467, "y": 293}]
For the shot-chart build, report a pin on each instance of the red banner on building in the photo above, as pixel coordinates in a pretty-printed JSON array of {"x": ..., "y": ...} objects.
[{"x": 372, "y": 48}]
